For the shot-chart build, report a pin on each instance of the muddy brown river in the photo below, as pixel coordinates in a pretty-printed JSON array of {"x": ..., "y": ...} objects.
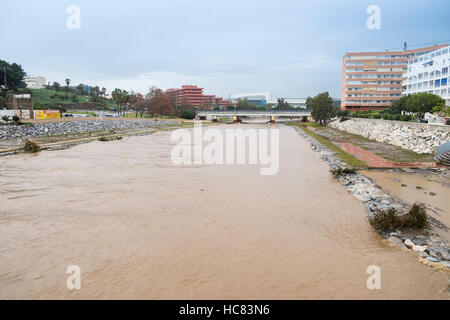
[{"x": 139, "y": 226}]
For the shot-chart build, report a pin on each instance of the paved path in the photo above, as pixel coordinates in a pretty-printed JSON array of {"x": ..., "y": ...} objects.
[{"x": 375, "y": 161}]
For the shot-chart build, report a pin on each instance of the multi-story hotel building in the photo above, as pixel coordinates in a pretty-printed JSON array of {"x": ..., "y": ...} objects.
[
  {"x": 374, "y": 80},
  {"x": 429, "y": 73},
  {"x": 187, "y": 95},
  {"x": 193, "y": 97}
]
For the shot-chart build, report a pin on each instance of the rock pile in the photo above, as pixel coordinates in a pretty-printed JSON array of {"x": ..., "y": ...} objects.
[
  {"x": 72, "y": 127},
  {"x": 410, "y": 136}
]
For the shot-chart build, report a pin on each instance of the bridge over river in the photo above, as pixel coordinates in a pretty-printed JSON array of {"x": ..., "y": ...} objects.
[{"x": 237, "y": 115}]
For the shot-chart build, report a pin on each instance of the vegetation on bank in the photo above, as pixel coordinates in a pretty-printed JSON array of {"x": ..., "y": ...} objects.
[
  {"x": 14, "y": 120},
  {"x": 31, "y": 146},
  {"x": 110, "y": 138},
  {"x": 407, "y": 108},
  {"x": 343, "y": 171},
  {"x": 344, "y": 156},
  {"x": 416, "y": 218},
  {"x": 321, "y": 106}
]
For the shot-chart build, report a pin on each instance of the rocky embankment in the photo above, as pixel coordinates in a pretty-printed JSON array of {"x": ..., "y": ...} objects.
[
  {"x": 416, "y": 137},
  {"x": 74, "y": 127},
  {"x": 432, "y": 248}
]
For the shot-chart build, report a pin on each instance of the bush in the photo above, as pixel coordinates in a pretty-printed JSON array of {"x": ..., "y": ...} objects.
[
  {"x": 405, "y": 117},
  {"x": 5, "y": 118},
  {"x": 416, "y": 218},
  {"x": 187, "y": 114},
  {"x": 106, "y": 139},
  {"x": 15, "y": 118},
  {"x": 31, "y": 146},
  {"x": 343, "y": 118},
  {"x": 339, "y": 171}
]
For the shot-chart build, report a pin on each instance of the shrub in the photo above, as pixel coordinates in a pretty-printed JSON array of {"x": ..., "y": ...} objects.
[
  {"x": 187, "y": 114},
  {"x": 15, "y": 118},
  {"x": 5, "y": 118},
  {"x": 416, "y": 218},
  {"x": 31, "y": 146},
  {"x": 405, "y": 117},
  {"x": 339, "y": 171},
  {"x": 106, "y": 139},
  {"x": 343, "y": 118}
]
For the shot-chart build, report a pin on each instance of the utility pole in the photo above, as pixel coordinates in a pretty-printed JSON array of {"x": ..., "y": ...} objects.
[
  {"x": 5, "y": 86},
  {"x": 4, "y": 79}
]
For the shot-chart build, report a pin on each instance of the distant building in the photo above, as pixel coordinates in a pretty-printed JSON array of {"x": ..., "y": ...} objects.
[
  {"x": 374, "y": 80},
  {"x": 429, "y": 73},
  {"x": 192, "y": 96},
  {"x": 257, "y": 99},
  {"x": 187, "y": 95},
  {"x": 293, "y": 102},
  {"x": 34, "y": 82}
]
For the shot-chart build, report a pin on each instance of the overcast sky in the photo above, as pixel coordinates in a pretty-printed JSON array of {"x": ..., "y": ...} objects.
[{"x": 226, "y": 47}]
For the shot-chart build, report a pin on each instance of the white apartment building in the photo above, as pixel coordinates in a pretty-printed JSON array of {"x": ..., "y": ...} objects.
[
  {"x": 429, "y": 73},
  {"x": 34, "y": 82}
]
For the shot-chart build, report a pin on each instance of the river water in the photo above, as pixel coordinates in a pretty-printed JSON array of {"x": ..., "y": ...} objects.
[
  {"x": 139, "y": 226},
  {"x": 431, "y": 190}
]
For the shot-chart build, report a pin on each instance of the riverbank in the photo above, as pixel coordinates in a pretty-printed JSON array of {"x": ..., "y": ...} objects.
[
  {"x": 430, "y": 247},
  {"x": 420, "y": 138},
  {"x": 55, "y": 135}
]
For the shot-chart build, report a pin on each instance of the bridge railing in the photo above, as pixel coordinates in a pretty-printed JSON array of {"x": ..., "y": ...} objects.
[{"x": 268, "y": 112}]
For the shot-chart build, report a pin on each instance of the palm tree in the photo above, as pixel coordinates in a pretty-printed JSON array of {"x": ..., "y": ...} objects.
[
  {"x": 103, "y": 92},
  {"x": 80, "y": 88},
  {"x": 96, "y": 90},
  {"x": 67, "y": 85}
]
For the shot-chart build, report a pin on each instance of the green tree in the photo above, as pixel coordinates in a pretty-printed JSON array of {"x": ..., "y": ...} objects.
[
  {"x": 56, "y": 86},
  {"x": 399, "y": 105},
  {"x": 67, "y": 81},
  {"x": 243, "y": 104},
  {"x": 282, "y": 104},
  {"x": 80, "y": 89},
  {"x": 424, "y": 102},
  {"x": 14, "y": 76},
  {"x": 321, "y": 107},
  {"x": 120, "y": 97}
]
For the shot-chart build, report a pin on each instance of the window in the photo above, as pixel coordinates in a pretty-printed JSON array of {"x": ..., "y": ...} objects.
[
  {"x": 444, "y": 71},
  {"x": 444, "y": 82},
  {"x": 437, "y": 83}
]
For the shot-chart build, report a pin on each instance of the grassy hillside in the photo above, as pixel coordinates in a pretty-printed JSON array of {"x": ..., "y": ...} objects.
[{"x": 53, "y": 98}]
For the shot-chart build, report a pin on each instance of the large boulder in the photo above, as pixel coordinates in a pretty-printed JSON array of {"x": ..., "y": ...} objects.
[{"x": 443, "y": 154}]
